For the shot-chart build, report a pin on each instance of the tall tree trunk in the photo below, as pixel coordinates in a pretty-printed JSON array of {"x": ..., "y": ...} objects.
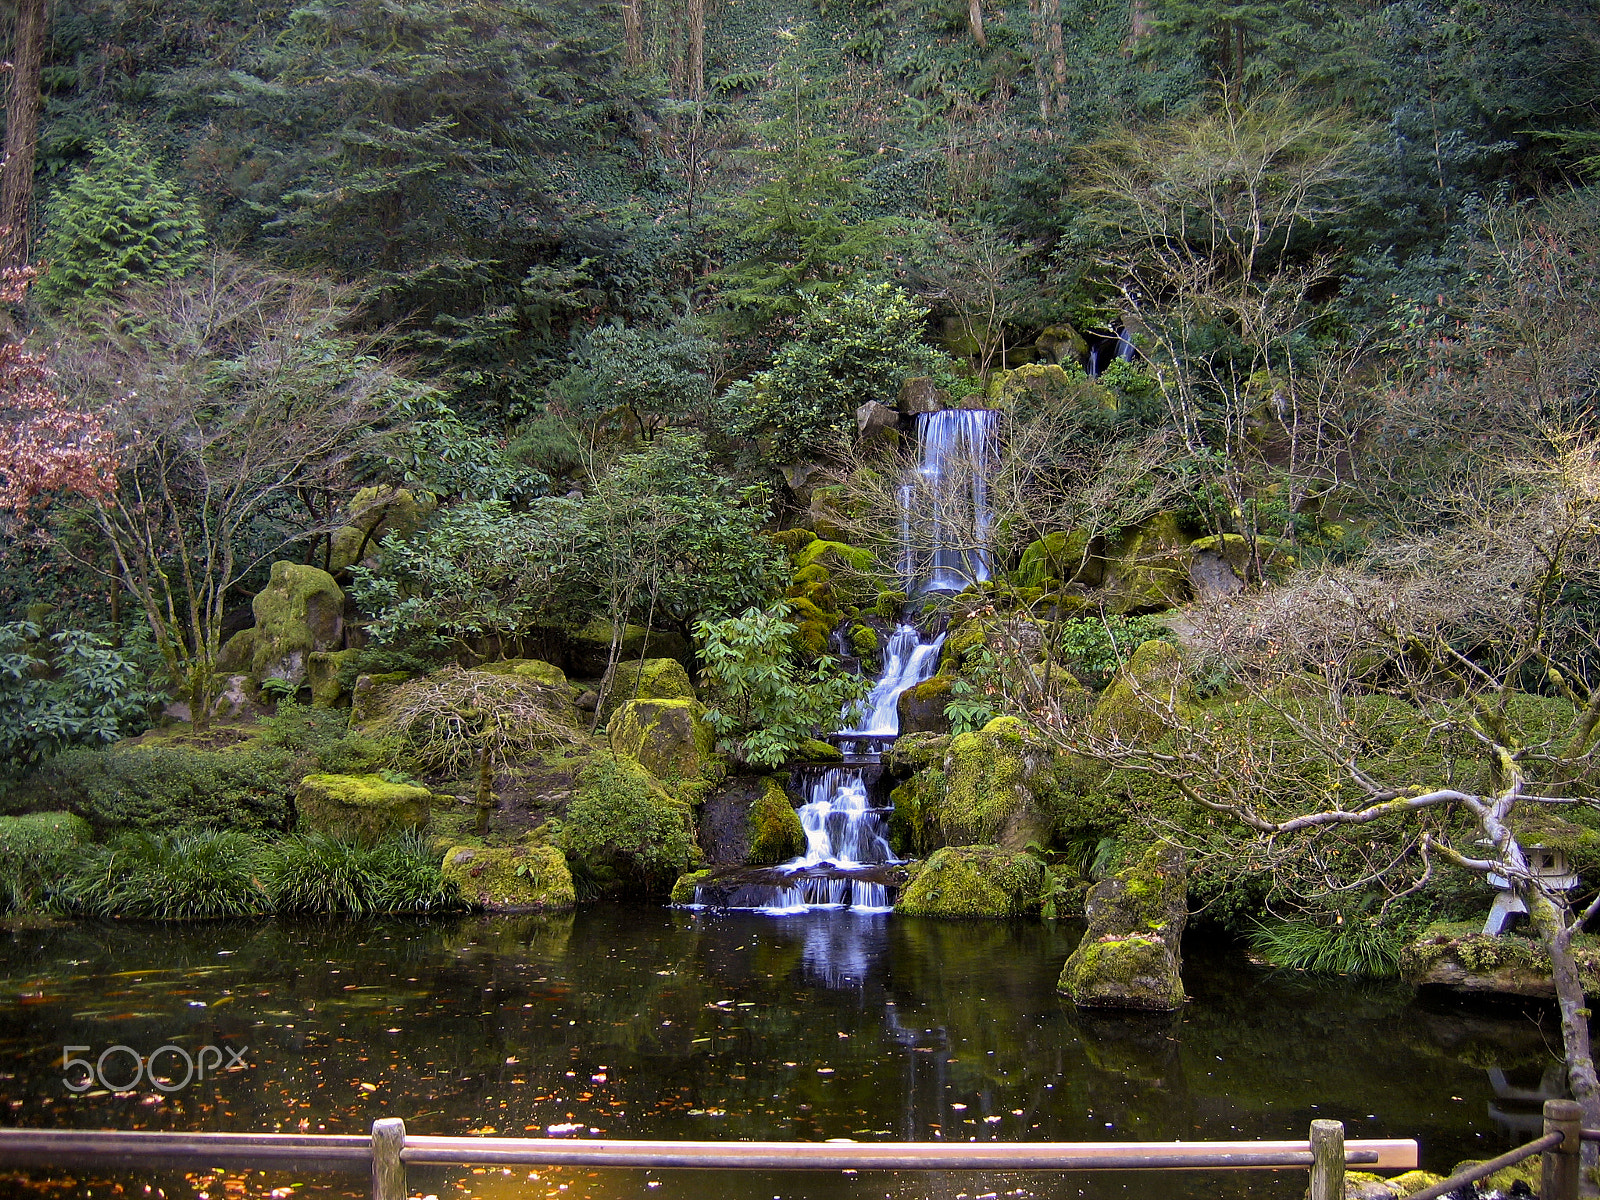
[
  {"x": 975, "y": 21},
  {"x": 1058, "y": 55},
  {"x": 1036, "y": 16},
  {"x": 633, "y": 32},
  {"x": 697, "y": 49},
  {"x": 1555, "y": 931},
  {"x": 22, "y": 131}
]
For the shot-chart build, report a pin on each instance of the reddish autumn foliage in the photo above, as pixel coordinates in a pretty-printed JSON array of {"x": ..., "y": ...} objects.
[{"x": 46, "y": 445}]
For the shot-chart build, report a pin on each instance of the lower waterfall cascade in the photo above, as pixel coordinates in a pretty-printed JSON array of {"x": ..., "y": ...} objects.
[{"x": 944, "y": 499}]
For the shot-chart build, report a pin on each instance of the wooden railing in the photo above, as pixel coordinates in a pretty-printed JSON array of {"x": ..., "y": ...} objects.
[{"x": 390, "y": 1150}]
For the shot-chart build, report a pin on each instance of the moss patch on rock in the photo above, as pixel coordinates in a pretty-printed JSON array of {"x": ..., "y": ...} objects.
[
  {"x": 1065, "y": 556},
  {"x": 626, "y": 833},
  {"x": 776, "y": 834},
  {"x": 992, "y": 777},
  {"x": 669, "y": 737},
  {"x": 322, "y": 673},
  {"x": 1462, "y": 958},
  {"x": 1130, "y": 956},
  {"x": 652, "y": 679},
  {"x": 524, "y": 878},
  {"x": 1149, "y": 568},
  {"x": 1138, "y": 705},
  {"x": 1135, "y": 971},
  {"x": 684, "y": 889},
  {"x": 361, "y": 808},
  {"x": 301, "y": 610},
  {"x": 975, "y": 881},
  {"x": 550, "y": 675},
  {"x": 590, "y": 649}
]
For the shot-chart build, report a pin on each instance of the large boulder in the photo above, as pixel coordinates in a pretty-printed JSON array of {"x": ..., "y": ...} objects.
[
  {"x": 322, "y": 673},
  {"x": 1066, "y": 556},
  {"x": 511, "y": 878},
  {"x": 375, "y": 512},
  {"x": 1148, "y": 568},
  {"x": 773, "y": 826},
  {"x": 992, "y": 777},
  {"x": 877, "y": 423},
  {"x": 1062, "y": 343},
  {"x": 1146, "y": 696},
  {"x": 921, "y": 707},
  {"x": 975, "y": 881},
  {"x": 299, "y": 612},
  {"x": 652, "y": 679},
  {"x": 749, "y": 820},
  {"x": 590, "y": 651},
  {"x": 361, "y": 808},
  {"x": 920, "y": 394},
  {"x": 1131, "y": 953},
  {"x": 669, "y": 737}
]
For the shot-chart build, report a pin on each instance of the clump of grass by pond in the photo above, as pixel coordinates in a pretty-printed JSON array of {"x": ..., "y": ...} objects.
[
  {"x": 197, "y": 876},
  {"x": 35, "y": 850},
  {"x": 216, "y": 874},
  {"x": 1349, "y": 948},
  {"x": 315, "y": 873}
]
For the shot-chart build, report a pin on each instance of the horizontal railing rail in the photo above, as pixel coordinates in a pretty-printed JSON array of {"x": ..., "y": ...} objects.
[{"x": 389, "y": 1150}]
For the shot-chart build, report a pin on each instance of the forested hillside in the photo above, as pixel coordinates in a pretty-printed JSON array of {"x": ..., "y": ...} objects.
[{"x": 509, "y": 425}]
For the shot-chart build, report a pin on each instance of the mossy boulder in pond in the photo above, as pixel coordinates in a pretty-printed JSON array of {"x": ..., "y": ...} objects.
[
  {"x": 300, "y": 611},
  {"x": 590, "y": 652},
  {"x": 624, "y": 831},
  {"x": 652, "y": 679},
  {"x": 1462, "y": 958},
  {"x": 975, "y": 881},
  {"x": 776, "y": 834},
  {"x": 1363, "y": 1185},
  {"x": 669, "y": 737},
  {"x": 683, "y": 891},
  {"x": 361, "y": 808},
  {"x": 1131, "y": 953},
  {"x": 511, "y": 878}
]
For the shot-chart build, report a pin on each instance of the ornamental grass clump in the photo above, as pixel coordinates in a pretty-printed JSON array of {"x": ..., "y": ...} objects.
[
  {"x": 199, "y": 876},
  {"x": 315, "y": 873},
  {"x": 1347, "y": 948}
]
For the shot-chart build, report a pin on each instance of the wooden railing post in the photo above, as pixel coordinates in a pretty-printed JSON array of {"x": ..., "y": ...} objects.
[
  {"x": 1327, "y": 1160},
  {"x": 388, "y": 1169},
  {"x": 1561, "y": 1173}
]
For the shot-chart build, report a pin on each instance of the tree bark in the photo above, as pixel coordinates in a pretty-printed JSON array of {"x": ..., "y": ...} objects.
[
  {"x": 1554, "y": 931},
  {"x": 975, "y": 21},
  {"x": 1036, "y": 16},
  {"x": 697, "y": 49},
  {"x": 633, "y": 32},
  {"x": 22, "y": 132}
]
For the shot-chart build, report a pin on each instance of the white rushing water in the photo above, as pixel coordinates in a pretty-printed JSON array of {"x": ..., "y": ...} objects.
[
  {"x": 907, "y": 662},
  {"x": 945, "y": 518}
]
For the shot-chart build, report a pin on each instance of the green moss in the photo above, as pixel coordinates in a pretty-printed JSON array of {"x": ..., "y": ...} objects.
[
  {"x": 368, "y": 694},
  {"x": 1135, "y": 971},
  {"x": 1150, "y": 568},
  {"x": 889, "y": 605},
  {"x": 813, "y": 636},
  {"x": 975, "y": 881},
  {"x": 1061, "y": 557},
  {"x": 1135, "y": 707},
  {"x": 591, "y": 646},
  {"x": 361, "y": 808},
  {"x": 1277, "y": 556},
  {"x": 815, "y": 573},
  {"x": 624, "y": 832},
  {"x": 776, "y": 834},
  {"x": 834, "y": 556},
  {"x": 323, "y": 669},
  {"x": 989, "y": 791},
  {"x": 864, "y": 640},
  {"x": 1415, "y": 1181},
  {"x": 301, "y": 610},
  {"x": 793, "y": 540},
  {"x": 813, "y": 750},
  {"x": 652, "y": 679},
  {"x": 511, "y": 878},
  {"x": 548, "y": 674},
  {"x": 683, "y": 890},
  {"x": 376, "y": 512},
  {"x": 936, "y": 688},
  {"x": 669, "y": 737}
]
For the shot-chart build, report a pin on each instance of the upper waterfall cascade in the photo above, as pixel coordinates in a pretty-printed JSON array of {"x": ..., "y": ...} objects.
[{"x": 945, "y": 517}]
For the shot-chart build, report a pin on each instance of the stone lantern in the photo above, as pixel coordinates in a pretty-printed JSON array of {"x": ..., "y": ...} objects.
[{"x": 1548, "y": 864}]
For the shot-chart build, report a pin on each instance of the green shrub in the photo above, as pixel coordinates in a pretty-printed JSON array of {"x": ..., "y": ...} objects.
[
  {"x": 35, "y": 850},
  {"x": 623, "y": 832},
  {"x": 64, "y": 689},
  {"x": 315, "y": 873},
  {"x": 322, "y": 740},
  {"x": 117, "y": 222},
  {"x": 204, "y": 875},
  {"x": 169, "y": 788}
]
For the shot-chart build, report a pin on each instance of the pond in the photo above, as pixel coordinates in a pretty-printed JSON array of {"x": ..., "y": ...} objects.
[{"x": 645, "y": 1022}]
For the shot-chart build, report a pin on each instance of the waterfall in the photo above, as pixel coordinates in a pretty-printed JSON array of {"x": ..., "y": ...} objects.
[
  {"x": 907, "y": 662},
  {"x": 1125, "y": 350},
  {"x": 944, "y": 505}
]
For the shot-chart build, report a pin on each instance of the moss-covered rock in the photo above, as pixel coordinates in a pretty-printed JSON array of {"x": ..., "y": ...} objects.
[
  {"x": 670, "y": 737},
  {"x": 367, "y": 696},
  {"x": 975, "y": 881},
  {"x": 1062, "y": 343},
  {"x": 361, "y": 807},
  {"x": 300, "y": 611},
  {"x": 652, "y": 679},
  {"x": 522, "y": 878},
  {"x": 624, "y": 831},
  {"x": 1130, "y": 956},
  {"x": 814, "y": 750},
  {"x": 322, "y": 673},
  {"x": 1066, "y": 556},
  {"x": 834, "y": 556},
  {"x": 921, "y": 708},
  {"x": 776, "y": 834},
  {"x": 684, "y": 889},
  {"x": 1363, "y": 1185},
  {"x": 1149, "y": 567},
  {"x": 548, "y": 674},
  {"x": 793, "y": 540},
  {"x": 989, "y": 794},
  {"x": 376, "y": 512},
  {"x": 1277, "y": 556},
  {"x": 1464, "y": 959},
  {"x": 1141, "y": 702},
  {"x": 589, "y": 651}
]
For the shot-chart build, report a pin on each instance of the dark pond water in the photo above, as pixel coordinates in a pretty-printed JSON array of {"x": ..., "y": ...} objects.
[{"x": 628, "y": 1021}]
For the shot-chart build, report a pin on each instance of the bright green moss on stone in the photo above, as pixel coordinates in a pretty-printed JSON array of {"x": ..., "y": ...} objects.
[
  {"x": 1135, "y": 972},
  {"x": 776, "y": 834},
  {"x": 975, "y": 881},
  {"x": 652, "y": 679},
  {"x": 301, "y": 610},
  {"x": 793, "y": 540},
  {"x": 539, "y": 671},
  {"x": 990, "y": 776},
  {"x": 684, "y": 889},
  {"x": 322, "y": 673},
  {"x": 1135, "y": 708},
  {"x": 669, "y": 737},
  {"x": 625, "y": 831},
  {"x": 360, "y": 808},
  {"x": 1131, "y": 955},
  {"x": 511, "y": 878}
]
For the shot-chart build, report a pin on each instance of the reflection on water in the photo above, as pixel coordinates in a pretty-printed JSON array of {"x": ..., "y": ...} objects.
[{"x": 645, "y": 1022}]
